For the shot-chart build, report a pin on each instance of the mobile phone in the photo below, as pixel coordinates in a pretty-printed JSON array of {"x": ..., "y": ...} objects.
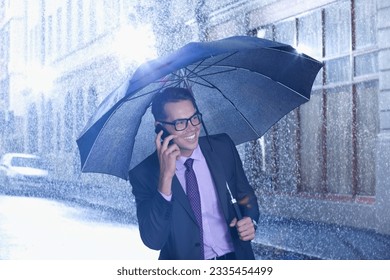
[{"x": 165, "y": 134}]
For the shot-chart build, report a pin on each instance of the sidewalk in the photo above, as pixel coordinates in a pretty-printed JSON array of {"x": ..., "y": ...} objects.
[
  {"x": 276, "y": 238},
  {"x": 295, "y": 239}
]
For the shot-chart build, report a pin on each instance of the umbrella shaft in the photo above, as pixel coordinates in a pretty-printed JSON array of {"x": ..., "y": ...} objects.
[{"x": 237, "y": 210}]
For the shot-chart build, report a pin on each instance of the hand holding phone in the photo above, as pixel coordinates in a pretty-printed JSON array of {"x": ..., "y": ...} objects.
[{"x": 165, "y": 134}]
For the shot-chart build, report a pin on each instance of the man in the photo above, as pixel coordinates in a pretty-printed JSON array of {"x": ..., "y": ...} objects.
[{"x": 183, "y": 221}]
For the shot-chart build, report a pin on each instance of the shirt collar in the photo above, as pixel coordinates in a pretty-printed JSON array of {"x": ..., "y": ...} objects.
[{"x": 196, "y": 155}]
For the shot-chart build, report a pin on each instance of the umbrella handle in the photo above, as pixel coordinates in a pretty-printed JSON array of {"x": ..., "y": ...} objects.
[
  {"x": 234, "y": 203},
  {"x": 237, "y": 210}
]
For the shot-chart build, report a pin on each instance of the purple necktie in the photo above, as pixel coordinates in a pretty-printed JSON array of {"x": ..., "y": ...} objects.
[{"x": 194, "y": 198}]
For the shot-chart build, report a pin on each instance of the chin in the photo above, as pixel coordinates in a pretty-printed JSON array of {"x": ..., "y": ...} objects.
[{"x": 186, "y": 150}]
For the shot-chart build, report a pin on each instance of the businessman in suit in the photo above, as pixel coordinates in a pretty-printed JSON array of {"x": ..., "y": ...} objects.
[{"x": 183, "y": 205}]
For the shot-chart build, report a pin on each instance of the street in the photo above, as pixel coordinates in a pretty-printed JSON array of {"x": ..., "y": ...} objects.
[{"x": 36, "y": 229}]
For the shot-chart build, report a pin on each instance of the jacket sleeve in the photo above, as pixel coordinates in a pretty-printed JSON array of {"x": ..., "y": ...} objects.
[{"x": 154, "y": 213}]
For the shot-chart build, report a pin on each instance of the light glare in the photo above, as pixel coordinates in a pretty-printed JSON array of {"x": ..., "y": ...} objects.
[{"x": 135, "y": 44}]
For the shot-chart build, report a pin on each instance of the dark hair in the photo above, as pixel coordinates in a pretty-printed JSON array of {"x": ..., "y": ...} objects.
[{"x": 168, "y": 95}]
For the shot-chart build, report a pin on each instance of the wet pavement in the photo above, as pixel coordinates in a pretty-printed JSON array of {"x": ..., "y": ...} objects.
[
  {"x": 276, "y": 238},
  {"x": 42, "y": 229},
  {"x": 295, "y": 239}
]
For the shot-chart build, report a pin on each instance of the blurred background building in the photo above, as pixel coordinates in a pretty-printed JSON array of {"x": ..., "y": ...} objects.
[{"x": 326, "y": 161}]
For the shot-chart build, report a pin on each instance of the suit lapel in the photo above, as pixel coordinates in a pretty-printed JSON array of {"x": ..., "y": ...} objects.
[
  {"x": 217, "y": 173},
  {"x": 177, "y": 190},
  {"x": 181, "y": 197}
]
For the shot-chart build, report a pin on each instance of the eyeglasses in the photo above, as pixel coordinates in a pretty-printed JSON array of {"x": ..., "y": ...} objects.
[{"x": 181, "y": 124}]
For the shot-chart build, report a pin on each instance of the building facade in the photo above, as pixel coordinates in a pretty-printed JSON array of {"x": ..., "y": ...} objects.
[{"x": 326, "y": 161}]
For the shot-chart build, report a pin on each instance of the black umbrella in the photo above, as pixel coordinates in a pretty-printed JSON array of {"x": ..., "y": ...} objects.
[{"x": 243, "y": 85}]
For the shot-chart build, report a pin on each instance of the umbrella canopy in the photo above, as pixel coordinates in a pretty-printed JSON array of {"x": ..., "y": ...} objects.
[{"x": 243, "y": 85}]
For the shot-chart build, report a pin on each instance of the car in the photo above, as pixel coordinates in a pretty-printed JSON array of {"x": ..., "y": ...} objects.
[{"x": 22, "y": 169}]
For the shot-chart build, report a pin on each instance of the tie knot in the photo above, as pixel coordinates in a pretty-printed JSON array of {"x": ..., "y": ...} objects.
[{"x": 188, "y": 163}]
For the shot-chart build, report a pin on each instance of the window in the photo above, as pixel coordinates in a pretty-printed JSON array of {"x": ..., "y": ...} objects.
[
  {"x": 69, "y": 122},
  {"x": 309, "y": 34},
  {"x": 338, "y": 140},
  {"x": 80, "y": 22},
  {"x": 59, "y": 30},
  {"x": 80, "y": 111},
  {"x": 49, "y": 35},
  {"x": 337, "y": 23},
  {"x": 311, "y": 150},
  {"x": 69, "y": 21},
  {"x": 32, "y": 142},
  {"x": 2, "y": 8},
  {"x": 111, "y": 13},
  {"x": 92, "y": 20},
  {"x": 286, "y": 32},
  {"x": 367, "y": 125},
  {"x": 365, "y": 64},
  {"x": 92, "y": 102},
  {"x": 365, "y": 13},
  {"x": 59, "y": 126},
  {"x": 48, "y": 126},
  {"x": 327, "y": 146},
  {"x": 338, "y": 70}
]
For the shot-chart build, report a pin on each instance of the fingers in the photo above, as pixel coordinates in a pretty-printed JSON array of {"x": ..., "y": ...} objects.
[
  {"x": 233, "y": 222},
  {"x": 172, "y": 151},
  {"x": 163, "y": 144},
  {"x": 157, "y": 140},
  {"x": 166, "y": 141},
  {"x": 169, "y": 150},
  {"x": 246, "y": 229},
  {"x": 167, "y": 155}
]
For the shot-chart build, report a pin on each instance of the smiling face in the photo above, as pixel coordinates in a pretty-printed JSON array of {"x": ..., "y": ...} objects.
[{"x": 187, "y": 140}]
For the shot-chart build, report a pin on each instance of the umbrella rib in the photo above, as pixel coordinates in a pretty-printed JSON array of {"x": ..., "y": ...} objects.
[
  {"x": 191, "y": 77},
  {"x": 213, "y": 64},
  {"x": 212, "y": 73},
  {"x": 257, "y": 73},
  {"x": 202, "y": 84},
  {"x": 196, "y": 66},
  {"x": 174, "y": 84},
  {"x": 234, "y": 68},
  {"x": 168, "y": 80},
  {"x": 196, "y": 75},
  {"x": 234, "y": 106}
]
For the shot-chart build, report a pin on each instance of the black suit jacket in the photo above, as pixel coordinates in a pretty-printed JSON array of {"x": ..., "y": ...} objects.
[{"x": 171, "y": 226}]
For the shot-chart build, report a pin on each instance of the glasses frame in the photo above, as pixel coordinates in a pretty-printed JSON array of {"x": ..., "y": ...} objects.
[{"x": 186, "y": 120}]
